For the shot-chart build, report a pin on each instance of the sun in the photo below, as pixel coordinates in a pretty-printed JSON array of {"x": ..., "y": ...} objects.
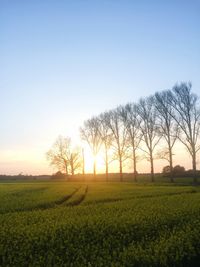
[{"x": 89, "y": 161}]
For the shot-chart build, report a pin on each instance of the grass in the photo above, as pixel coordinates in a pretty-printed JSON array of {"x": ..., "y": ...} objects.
[{"x": 99, "y": 224}]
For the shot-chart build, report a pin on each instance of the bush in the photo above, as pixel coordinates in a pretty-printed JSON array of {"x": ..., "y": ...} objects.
[
  {"x": 59, "y": 175},
  {"x": 176, "y": 172},
  {"x": 166, "y": 171}
]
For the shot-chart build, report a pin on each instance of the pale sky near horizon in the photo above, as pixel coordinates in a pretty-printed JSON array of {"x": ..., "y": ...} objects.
[{"x": 63, "y": 61}]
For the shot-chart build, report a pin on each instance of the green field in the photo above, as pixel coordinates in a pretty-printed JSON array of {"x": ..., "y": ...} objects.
[{"x": 99, "y": 224}]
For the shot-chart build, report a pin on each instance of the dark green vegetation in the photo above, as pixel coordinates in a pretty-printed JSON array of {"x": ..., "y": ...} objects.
[{"x": 99, "y": 224}]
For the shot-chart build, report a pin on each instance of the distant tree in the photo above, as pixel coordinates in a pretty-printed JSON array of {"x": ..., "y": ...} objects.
[
  {"x": 58, "y": 155},
  {"x": 64, "y": 157},
  {"x": 167, "y": 170},
  {"x": 187, "y": 115},
  {"x": 132, "y": 120},
  {"x": 178, "y": 170},
  {"x": 90, "y": 133},
  {"x": 149, "y": 129},
  {"x": 168, "y": 126},
  {"x": 75, "y": 160},
  {"x": 58, "y": 175},
  {"x": 107, "y": 138},
  {"x": 120, "y": 136}
]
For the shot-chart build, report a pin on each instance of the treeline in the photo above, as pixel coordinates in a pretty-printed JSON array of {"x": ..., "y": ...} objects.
[
  {"x": 167, "y": 116},
  {"x": 24, "y": 177}
]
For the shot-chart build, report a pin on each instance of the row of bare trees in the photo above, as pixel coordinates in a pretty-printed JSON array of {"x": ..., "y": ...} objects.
[{"x": 121, "y": 133}]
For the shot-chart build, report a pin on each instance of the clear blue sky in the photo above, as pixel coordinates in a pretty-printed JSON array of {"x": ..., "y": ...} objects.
[{"x": 63, "y": 61}]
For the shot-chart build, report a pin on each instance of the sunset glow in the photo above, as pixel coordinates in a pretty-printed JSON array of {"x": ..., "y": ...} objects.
[{"x": 56, "y": 73}]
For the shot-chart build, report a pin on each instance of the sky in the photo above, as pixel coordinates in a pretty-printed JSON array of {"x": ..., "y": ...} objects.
[{"x": 62, "y": 62}]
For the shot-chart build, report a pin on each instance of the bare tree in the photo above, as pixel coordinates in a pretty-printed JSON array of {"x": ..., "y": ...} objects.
[
  {"x": 132, "y": 121},
  {"x": 58, "y": 155},
  {"x": 149, "y": 129},
  {"x": 168, "y": 127},
  {"x": 187, "y": 115},
  {"x": 90, "y": 133},
  {"x": 63, "y": 156},
  {"x": 106, "y": 137},
  {"x": 120, "y": 134},
  {"x": 75, "y": 160}
]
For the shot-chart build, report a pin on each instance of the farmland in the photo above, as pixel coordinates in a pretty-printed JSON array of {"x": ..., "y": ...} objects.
[{"x": 99, "y": 224}]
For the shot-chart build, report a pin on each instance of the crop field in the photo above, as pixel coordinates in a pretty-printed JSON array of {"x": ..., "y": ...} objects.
[{"x": 99, "y": 224}]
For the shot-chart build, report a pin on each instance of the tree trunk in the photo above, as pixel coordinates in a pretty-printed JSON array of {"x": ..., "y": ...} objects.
[
  {"x": 152, "y": 167},
  {"x": 72, "y": 171},
  {"x": 171, "y": 164},
  {"x": 194, "y": 166},
  {"x": 120, "y": 169},
  {"x": 106, "y": 166},
  {"x": 66, "y": 168},
  {"x": 134, "y": 166},
  {"x": 94, "y": 168},
  {"x": 106, "y": 172},
  {"x": 72, "y": 165},
  {"x": 83, "y": 156}
]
